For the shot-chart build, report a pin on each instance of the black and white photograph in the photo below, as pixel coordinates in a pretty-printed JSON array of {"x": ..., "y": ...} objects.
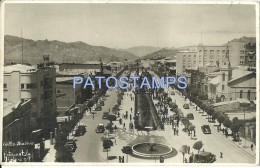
[{"x": 128, "y": 83}]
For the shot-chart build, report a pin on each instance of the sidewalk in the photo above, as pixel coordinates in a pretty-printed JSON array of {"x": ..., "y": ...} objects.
[
  {"x": 50, "y": 156},
  {"x": 240, "y": 144}
]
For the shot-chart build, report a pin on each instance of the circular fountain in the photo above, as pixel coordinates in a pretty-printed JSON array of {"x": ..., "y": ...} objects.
[{"x": 151, "y": 149}]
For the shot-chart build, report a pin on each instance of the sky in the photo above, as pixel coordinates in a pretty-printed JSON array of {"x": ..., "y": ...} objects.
[{"x": 128, "y": 25}]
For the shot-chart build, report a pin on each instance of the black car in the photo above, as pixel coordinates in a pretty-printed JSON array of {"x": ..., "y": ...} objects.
[
  {"x": 190, "y": 116},
  {"x": 105, "y": 114},
  {"x": 206, "y": 129},
  {"x": 81, "y": 130},
  {"x": 70, "y": 146}
]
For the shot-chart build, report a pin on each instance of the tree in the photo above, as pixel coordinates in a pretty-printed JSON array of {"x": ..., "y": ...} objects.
[
  {"x": 227, "y": 123},
  {"x": 235, "y": 119},
  {"x": 221, "y": 119},
  {"x": 210, "y": 111},
  {"x": 215, "y": 115},
  {"x": 198, "y": 145},
  {"x": 107, "y": 145},
  {"x": 183, "y": 150}
]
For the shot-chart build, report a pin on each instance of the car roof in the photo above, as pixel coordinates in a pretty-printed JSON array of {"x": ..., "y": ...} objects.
[{"x": 100, "y": 124}]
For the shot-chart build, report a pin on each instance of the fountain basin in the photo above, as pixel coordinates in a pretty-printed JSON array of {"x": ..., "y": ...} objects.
[{"x": 159, "y": 149}]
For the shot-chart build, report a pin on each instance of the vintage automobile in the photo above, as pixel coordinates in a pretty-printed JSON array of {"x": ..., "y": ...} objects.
[
  {"x": 70, "y": 146},
  {"x": 186, "y": 106},
  {"x": 190, "y": 116},
  {"x": 206, "y": 129},
  {"x": 204, "y": 157},
  {"x": 172, "y": 93},
  {"x": 98, "y": 107},
  {"x": 105, "y": 115},
  {"x": 100, "y": 128},
  {"x": 80, "y": 130}
]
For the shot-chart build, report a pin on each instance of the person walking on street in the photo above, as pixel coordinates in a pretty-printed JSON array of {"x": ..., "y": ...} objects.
[
  {"x": 252, "y": 147},
  {"x": 93, "y": 116},
  {"x": 221, "y": 155},
  {"x": 124, "y": 125},
  {"x": 120, "y": 159},
  {"x": 131, "y": 109},
  {"x": 123, "y": 159},
  {"x": 177, "y": 131},
  {"x": 130, "y": 117},
  {"x": 115, "y": 141}
]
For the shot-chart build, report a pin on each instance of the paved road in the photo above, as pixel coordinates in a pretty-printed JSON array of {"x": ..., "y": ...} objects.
[
  {"x": 215, "y": 142},
  {"x": 89, "y": 143}
]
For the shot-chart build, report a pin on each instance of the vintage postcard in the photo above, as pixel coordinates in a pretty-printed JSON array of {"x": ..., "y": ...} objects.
[{"x": 145, "y": 82}]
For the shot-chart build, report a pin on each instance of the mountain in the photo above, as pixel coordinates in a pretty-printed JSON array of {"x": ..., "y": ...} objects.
[
  {"x": 252, "y": 40},
  {"x": 163, "y": 53},
  {"x": 142, "y": 50},
  {"x": 78, "y": 52}
]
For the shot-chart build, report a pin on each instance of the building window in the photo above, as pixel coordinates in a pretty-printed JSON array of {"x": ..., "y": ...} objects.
[
  {"x": 223, "y": 87},
  {"x": 22, "y": 86},
  {"x": 241, "y": 93},
  {"x": 5, "y": 85},
  {"x": 5, "y": 99},
  {"x": 248, "y": 94},
  {"x": 223, "y": 77},
  {"x": 58, "y": 91}
]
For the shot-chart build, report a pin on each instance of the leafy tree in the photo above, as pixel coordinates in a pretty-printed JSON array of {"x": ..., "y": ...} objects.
[
  {"x": 210, "y": 111},
  {"x": 236, "y": 126},
  {"x": 221, "y": 119},
  {"x": 227, "y": 123},
  {"x": 235, "y": 119},
  {"x": 215, "y": 115},
  {"x": 183, "y": 150},
  {"x": 198, "y": 145}
]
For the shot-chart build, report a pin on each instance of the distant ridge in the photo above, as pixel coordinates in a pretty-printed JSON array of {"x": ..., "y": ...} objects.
[{"x": 59, "y": 52}]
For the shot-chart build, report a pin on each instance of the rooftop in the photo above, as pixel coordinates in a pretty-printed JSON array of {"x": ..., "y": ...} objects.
[
  {"x": 18, "y": 67},
  {"x": 8, "y": 107},
  {"x": 239, "y": 73}
]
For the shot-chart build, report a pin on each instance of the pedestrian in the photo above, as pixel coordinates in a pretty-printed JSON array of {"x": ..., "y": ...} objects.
[
  {"x": 188, "y": 149},
  {"x": 221, "y": 155},
  {"x": 130, "y": 117},
  {"x": 109, "y": 110},
  {"x": 202, "y": 150},
  {"x": 123, "y": 159},
  {"x": 131, "y": 109},
  {"x": 185, "y": 160},
  {"x": 124, "y": 125},
  {"x": 196, "y": 108},
  {"x": 115, "y": 127},
  {"x": 115, "y": 141},
  {"x": 252, "y": 147},
  {"x": 120, "y": 159},
  {"x": 177, "y": 131},
  {"x": 93, "y": 116},
  {"x": 194, "y": 131}
]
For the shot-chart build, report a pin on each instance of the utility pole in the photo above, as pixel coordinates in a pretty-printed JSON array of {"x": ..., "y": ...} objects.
[{"x": 22, "y": 43}]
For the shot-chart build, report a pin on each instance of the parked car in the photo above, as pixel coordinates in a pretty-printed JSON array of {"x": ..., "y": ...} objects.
[
  {"x": 105, "y": 114},
  {"x": 98, "y": 107},
  {"x": 190, "y": 116},
  {"x": 204, "y": 157},
  {"x": 206, "y": 129},
  {"x": 172, "y": 93},
  {"x": 81, "y": 130},
  {"x": 186, "y": 106},
  {"x": 70, "y": 146},
  {"x": 100, "y": 128}
]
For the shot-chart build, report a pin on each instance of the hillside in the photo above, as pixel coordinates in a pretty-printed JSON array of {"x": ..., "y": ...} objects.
[
  {"x": 142, "y": 50},
  {"x": 59, "y": 51},
  {"x": 252, "y": 40},
  {"x": 163, "y": 53}
]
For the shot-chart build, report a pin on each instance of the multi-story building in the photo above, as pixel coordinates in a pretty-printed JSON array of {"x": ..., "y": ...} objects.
[
  {"x": 233, "y": 84},
  {"x": 23, "y": 82},
  {"x": 187, "y": 59},
  {"x": 17, "y": 121}
]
